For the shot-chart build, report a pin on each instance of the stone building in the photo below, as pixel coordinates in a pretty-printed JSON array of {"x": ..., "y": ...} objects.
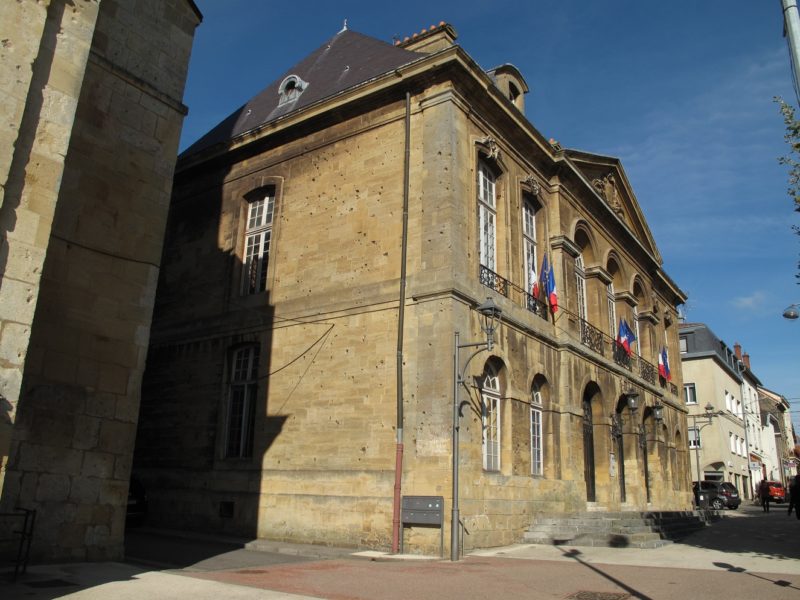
[
  {"x": 327, "y": 240},
  {"x": 92, "y": 93}
]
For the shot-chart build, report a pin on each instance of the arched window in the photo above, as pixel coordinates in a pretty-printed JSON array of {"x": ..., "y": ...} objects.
[
  {"x": 636, "y": 330},
  {"x": 490, "y": 418},
  {"x": 611, "y": 299},
  {"x": 242, "y": 390},
  {"x": 258, "y": 234},
  {"x": 537, "y": 461},
  {"x": 580, "y": 283},
  {"x": 290, "y": 89},
  {"x": 487, "y": 215}
]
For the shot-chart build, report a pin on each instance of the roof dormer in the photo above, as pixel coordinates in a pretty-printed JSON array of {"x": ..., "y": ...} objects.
[{"x": 509, "y": 80}]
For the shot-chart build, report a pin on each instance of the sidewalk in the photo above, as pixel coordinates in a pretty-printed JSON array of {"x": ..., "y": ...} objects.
[{"x": 746, "y": 554}]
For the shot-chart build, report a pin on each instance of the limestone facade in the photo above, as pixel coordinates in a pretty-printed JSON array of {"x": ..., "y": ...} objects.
[
  {"x": 93, "y": 90},
  {"x": 312, "y": 348},
  {"x": 714, "y": 375}
]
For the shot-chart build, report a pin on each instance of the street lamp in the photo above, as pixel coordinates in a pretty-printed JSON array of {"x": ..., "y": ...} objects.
[
  {"x": 658, "y": 412},
  {"x": 490, "y": 319},
  {"x": 706, "y": 420},
  {"x": 791, "y": 312}
]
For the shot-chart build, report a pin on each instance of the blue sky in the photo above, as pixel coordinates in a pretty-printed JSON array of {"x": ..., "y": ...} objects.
[{"x": 682, "y": 92}]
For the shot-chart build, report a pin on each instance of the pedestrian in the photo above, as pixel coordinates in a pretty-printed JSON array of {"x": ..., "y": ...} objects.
[
  {"x": 763, "y": 493},
  {"x": 794, "y": 496}
]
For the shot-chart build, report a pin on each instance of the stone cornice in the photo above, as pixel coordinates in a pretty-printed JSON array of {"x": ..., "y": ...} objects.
[
  {"x": 600, "y": 273},
  {"x": 561, "y": 242}
]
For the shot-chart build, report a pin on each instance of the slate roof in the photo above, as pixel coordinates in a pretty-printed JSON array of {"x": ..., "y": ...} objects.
[{"x": 349, "y": 58}]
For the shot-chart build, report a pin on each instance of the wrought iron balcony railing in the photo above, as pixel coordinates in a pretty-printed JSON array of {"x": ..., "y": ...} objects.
[
  {"x": 591, "y": 336},
  {"x": 512, "y": 291},
  {"x": 596, "y": 340},
  {"x": 492, "y": 280}
]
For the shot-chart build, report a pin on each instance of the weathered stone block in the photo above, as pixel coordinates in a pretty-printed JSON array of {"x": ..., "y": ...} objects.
[
  {"x": 98, "y": 464},
  {"x": 53, "y": 487}
]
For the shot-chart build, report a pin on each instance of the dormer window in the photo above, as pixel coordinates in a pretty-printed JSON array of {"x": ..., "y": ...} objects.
[{"x": 290, "y": 89}]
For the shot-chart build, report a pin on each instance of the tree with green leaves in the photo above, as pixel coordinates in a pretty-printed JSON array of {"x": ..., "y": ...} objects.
[{"x": 792, "y": 160}]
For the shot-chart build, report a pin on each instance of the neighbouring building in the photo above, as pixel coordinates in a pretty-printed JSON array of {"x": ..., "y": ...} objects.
[
  {"x": 778, "y": 434},
  {"x": 324, "y": 245},
  {"x": 738, "y": 430},
  {"x": 92, "y": 103},
  {"x": 758, "y": 452}
]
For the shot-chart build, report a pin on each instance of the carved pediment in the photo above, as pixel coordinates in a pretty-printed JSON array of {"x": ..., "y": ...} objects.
[
  {"x": 607, "y": 179},
  {"x": 607, "y": 188}
]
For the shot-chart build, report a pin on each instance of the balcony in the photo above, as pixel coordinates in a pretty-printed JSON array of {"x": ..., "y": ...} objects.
[
  {"x": 596, "y": 340},
  {"x": 591, "y": 337},
  {"x": 513, "y": 292}
]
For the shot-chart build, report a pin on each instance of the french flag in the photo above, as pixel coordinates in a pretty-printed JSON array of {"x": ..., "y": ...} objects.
[
  {"x": 663, "y": 365},
  {"x": 552, "y": 294},
  {"x": 550, "y": 285},
  {"x": 625, "y": 337}
]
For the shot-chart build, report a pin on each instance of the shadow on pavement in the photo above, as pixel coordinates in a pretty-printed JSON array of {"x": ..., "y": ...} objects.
[
  {"x": 47, "y": 582},
  {"x": 778, "y": 582},
  {"x": 750, "y": 530},
  {"x": 575, "y": 554}
]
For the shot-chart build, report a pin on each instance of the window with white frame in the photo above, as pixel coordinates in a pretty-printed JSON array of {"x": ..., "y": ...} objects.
[
  {"x": 728, "y": 406},
  {"x": 637, "y": 331},
  {"x": 490, "y": 419},
  {"x": 242, "y": 391},
  {"x": 612, "y": 309},
  {"x": 732, "y": 443},
  {"x": 536, "y": 430},
  {"x": 580, "y": 285},
  {"x": 258, "y": 234},
  {"x": 683, "y": 345},
  {"x": 487, "y": 215},
  {"x": 529, "y": 241},
  {"x": 689, "y": 393},
  {"x": 694, "y": 437}
]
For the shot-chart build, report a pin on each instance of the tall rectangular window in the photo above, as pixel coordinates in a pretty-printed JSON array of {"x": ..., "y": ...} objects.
[
  {"x": 689, "y": 393},
  {"x": 580, "y": 284},
  {"x": 242, "y": 392},
  {"x": 694, "y": 438},
  {"x": 487, "y": 215},
  {"x": 529, "y": 242},
  {"x": 258, "y": 235},
  {"x": 536, "y": 433},
  {"x": 491, "y": 432},
  {"x": 612, "y": 310}
]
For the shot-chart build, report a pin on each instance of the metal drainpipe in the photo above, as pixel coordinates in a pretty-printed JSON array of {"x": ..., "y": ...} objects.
[{"x": 398, "y": 463}]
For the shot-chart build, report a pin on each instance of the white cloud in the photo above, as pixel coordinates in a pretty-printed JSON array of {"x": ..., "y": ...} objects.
[{"x": 754, "y": 300}]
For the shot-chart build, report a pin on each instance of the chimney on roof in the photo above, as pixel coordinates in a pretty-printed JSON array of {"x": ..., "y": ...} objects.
[
  {"x": 435, "y": 38},
  {"x": 737, "y": 349},
  {"x": 746, "y": 360}
]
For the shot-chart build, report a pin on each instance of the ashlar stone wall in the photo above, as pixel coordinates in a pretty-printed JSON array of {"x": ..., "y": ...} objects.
[{"x": 102, "y": 120}]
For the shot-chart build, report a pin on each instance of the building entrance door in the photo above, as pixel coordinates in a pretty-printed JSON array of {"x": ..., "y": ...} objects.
[{"x": 588, "y": 450}]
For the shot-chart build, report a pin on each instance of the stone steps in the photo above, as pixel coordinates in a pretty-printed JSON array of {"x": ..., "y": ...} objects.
[{"x": 621, "y": 529}]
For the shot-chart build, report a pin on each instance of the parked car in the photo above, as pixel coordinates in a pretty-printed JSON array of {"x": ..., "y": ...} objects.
[
  {"x": 716, "y": 495},
  {"x": 776, "y": 491}
]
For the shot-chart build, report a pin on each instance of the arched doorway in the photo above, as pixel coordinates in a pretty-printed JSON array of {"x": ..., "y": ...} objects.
[
  {"x": 618, "y": 434},
  {"x": 589, "y": 469},
  {"x": 648, "y": 418}
]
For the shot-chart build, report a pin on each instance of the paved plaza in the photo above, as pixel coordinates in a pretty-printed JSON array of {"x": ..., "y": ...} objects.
[{"x": 747, "y": 554}]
